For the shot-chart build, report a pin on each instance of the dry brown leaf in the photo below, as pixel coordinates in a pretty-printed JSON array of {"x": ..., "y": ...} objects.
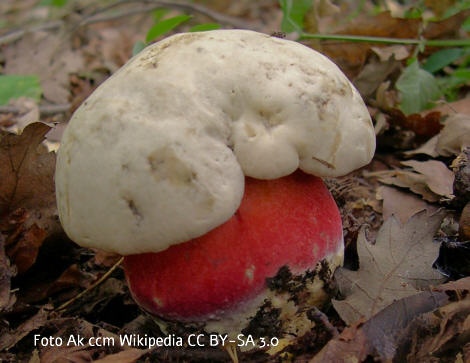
[
  {"x": 406, "y": 179},
  {"x": 441, "y": 333},
  {"x": 401, "y": 205},
  {"x": 382, "y": 336},
  {"x": 431, "y": 179},
  {"x": 379, "y": 335},
  {"x": 373, "y": 74},
  {"x": 455, "y": 135},
  {"x": 6, "y": 273},
  {"x": 9, "y": 339},
  {"x": 396, "y": 266},
  {"x": 27, "y": 176},
  {"x": 428, "y": 148},
  {"x": 460, "y": 106},
  {"x": 437, "y": 176},
  {"x": 50, "y": 57},
  {"x": 24, "y": 252}
]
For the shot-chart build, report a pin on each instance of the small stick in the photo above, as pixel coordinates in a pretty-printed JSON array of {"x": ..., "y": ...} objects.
[{"x": 96, "y": 283}]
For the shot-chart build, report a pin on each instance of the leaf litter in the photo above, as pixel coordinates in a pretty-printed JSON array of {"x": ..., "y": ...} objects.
[{"x": 399, "y": 264}]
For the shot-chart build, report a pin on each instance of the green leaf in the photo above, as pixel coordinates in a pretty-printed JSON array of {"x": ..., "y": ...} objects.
[
  {"x": 138, "y": 47},
  {"x": 159, "y": 14},
  {"x": 442, "y": 58},
  {"x": 293, "y": 14},
  {"x": 418, "y": 89},
  {"x": 56, "y": 3},
  {"x": 165, "y": 26},
  {"x": 466, "y": 25},
  {"x": 205, "y": 27},
  {"x": 15, "y": 86}
]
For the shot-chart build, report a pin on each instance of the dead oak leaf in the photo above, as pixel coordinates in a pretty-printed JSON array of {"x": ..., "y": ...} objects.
[
  {"x": 399, "y": 264},
  {"x": 27, "y": 175},
  {"x": 431, "y": 179}
]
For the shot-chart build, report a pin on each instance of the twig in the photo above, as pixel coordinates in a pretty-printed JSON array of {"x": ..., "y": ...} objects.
[
  {"x": 154, "y": 4},
  {"x": 385, "y": 40},
  {"x": 43, "y": 110},
  {"x": 96, "y": 283},
  {"x": 179, "y": 5},
  {"x": 14, "y": 35}
]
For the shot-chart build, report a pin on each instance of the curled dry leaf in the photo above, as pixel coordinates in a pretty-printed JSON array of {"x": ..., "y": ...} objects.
[
  {"x": 399, "y": 264},
  {"x": 437, "y": 176},
  {"x": 451, "y": 140},
  {"x": 431, "y": 179},
  {"x": 455, "y": 135}
]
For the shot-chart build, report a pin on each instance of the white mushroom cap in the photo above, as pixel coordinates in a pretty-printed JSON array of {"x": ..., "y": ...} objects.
[{"x": 157, "y": 154}]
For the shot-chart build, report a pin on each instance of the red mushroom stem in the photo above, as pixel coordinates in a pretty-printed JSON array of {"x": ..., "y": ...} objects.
[{"x": 291, "y": 221}]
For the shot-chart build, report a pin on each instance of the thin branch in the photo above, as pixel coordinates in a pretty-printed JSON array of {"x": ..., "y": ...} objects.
[
  {"x": 384, "y": 40},
  {"x": 43, "y": 110},
  {"x": 96, "y": 283},
  {"x": 14, "y": 35},
  {"x": 98, "y": 16},
  {"x": 178, "y": 5}
]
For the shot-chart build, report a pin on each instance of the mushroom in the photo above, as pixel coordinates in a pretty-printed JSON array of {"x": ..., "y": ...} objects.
[{"x": 200, "y": 161}]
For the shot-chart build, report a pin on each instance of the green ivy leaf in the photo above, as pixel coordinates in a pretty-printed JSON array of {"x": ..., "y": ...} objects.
[
  {"x": 165, "y": 26},
  {"x": 205, "y": 27},
  {"x": 418, "y": 89},
  {"x": 16, "y": 86},
  {"x": 442, "y": 58},
  {"x": 293, "y": 14}
]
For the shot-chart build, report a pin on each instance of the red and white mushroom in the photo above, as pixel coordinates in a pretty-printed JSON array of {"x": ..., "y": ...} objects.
[{"x": 199, "y": 160}]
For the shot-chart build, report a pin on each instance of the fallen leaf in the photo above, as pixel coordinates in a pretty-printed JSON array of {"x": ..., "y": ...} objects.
[
  {"x": 431, "y": 179},
  {"x": 400, "y": 204},
  {"x": 6, "y": 273},
  {"x": 399, "y": 264},
  {"x": 460, "y": 106},
  {"x": 437, "y": 176},
  {"x": 10, "y": 338},
  {"x": 433, "y": 335},
  {"x": 381, "y": 336},
  {"x": 428, "y": 148},
  {"x": 373, "y": 74},
  {"x": 27, "y": 176},
  {"x": 455, "y": 135},
  {"x": 25, "y": 251}
]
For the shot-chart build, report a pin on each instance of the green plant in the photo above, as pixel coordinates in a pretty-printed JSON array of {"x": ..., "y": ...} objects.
[
  {"x": 163, "y": 26},
  {"x": 16, "y": 86}
]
